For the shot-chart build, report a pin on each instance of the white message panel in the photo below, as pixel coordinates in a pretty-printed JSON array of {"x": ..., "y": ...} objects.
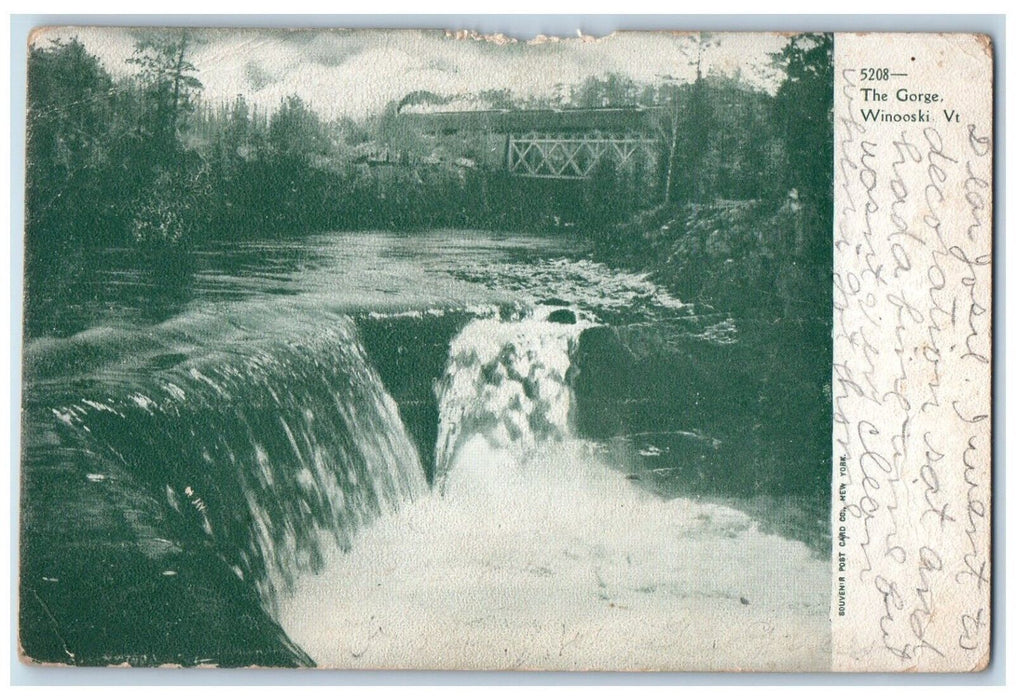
[{"x": 912, "y": 352}]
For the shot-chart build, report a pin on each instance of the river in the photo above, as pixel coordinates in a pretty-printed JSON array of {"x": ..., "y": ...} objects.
[{"x": 436, "y": 450}]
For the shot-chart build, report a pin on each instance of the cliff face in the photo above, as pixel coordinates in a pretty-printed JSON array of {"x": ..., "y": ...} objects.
[
  {"x": 755, "y": 258},
  {"x": 740, "y": 404}
]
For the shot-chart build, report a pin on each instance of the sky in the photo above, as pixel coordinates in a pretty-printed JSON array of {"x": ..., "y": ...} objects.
[{"x": 357, "y": 72}]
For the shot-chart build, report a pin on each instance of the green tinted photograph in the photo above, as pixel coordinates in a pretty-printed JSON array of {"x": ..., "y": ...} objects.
[{"x": 394, "y": 349}]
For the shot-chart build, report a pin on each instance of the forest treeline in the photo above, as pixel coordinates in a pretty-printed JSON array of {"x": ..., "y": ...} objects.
[{"x": 142, "y": 160}]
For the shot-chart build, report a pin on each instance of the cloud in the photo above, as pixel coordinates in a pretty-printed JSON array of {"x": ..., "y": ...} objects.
[
  {"x": 355, "y": 73},
  {"x": 258, "y": 76}
]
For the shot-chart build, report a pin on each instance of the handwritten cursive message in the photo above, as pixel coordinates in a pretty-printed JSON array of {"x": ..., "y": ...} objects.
[{"x": 912, "y": 353}]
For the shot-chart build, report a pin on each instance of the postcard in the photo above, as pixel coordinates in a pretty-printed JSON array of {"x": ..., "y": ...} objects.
[{"x": 392, "y": 349}]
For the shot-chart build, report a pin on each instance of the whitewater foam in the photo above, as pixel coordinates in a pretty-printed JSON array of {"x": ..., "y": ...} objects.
[
  {"x": 536, "y": 552},
  {"x": 507, "y": 381},
  {"x": 555, "y": 561}
]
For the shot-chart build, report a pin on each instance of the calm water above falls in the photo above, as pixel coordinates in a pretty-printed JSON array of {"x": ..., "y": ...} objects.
[{"x": 371, "y": 439}]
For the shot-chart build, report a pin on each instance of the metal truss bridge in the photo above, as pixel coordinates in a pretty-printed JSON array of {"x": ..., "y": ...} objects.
[
  {"x": 561, "y": 144},
  {"x": 572, "y": 156}
]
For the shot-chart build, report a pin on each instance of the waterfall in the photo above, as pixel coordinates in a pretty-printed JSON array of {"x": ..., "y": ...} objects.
[
  {"x": 507, "y": 384},
  {"x": 273, "y": 442},
  {"x": 234, "y": 477},
  {"x": 274, "y": 447},
  {"x": 535, "y": 551}
]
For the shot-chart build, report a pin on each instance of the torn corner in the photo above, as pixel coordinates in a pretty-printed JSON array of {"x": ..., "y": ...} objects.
[{"x": 39, "y": 33}]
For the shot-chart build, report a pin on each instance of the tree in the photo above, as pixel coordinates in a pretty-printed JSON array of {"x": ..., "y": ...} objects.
[
  {"x": 612, "y": 90},
  {"x": 690, "y": 128},
  {"x": 169, "y": 85},
  {"x": 69, "y": 110},
  {"x": 162, "y": 207},
  {"x": 295, "y": 133},
  {"x": 804, "y": 109}
]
